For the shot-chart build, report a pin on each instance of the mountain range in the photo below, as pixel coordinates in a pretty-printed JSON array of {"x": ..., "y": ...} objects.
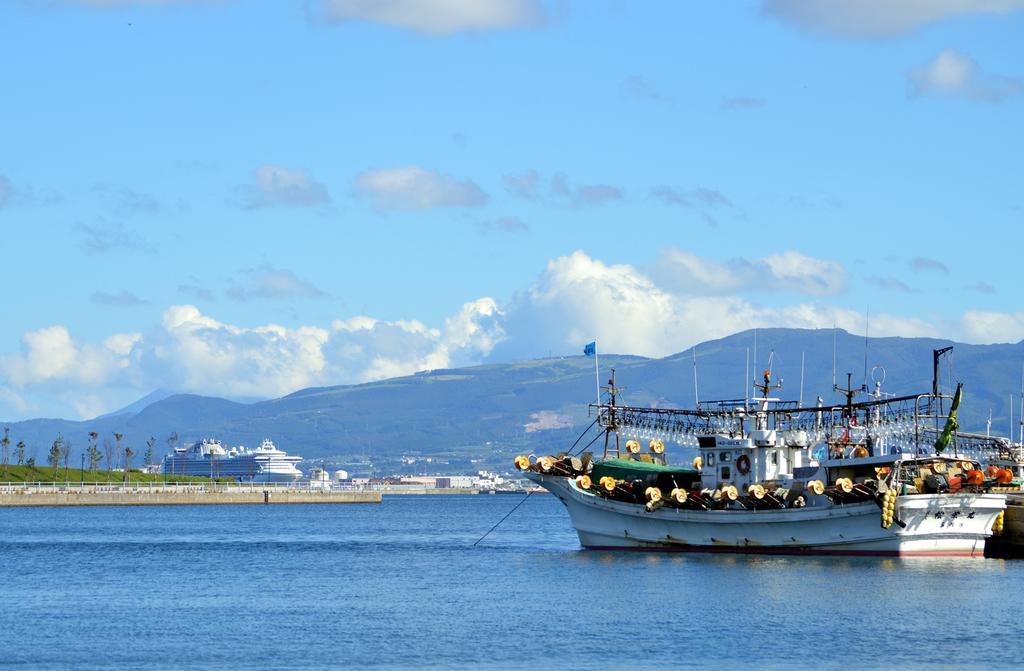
[{"x": 490, "y": 411}]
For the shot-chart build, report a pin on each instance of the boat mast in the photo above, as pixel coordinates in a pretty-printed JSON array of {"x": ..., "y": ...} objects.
[{"x": 611, "y": 424}]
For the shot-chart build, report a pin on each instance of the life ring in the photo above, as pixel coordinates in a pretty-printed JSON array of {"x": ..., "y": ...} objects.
[{"x": 743, "y": 464}]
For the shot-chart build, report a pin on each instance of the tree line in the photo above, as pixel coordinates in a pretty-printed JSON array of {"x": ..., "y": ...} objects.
[{"x": 115, "y": 453}]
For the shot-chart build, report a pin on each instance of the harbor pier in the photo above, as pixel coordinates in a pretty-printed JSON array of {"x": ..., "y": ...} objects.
[{"x": 160, "y": 494}]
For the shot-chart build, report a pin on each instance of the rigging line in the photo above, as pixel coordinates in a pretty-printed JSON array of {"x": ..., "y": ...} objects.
[
  {"x": 583, "y": 434},
  {"x": 521, "y": 502},
  {"x": 592, "y": 441}
]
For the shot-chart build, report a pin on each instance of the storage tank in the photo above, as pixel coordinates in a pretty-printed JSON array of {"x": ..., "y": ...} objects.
[{"x": 340, "y": 475}]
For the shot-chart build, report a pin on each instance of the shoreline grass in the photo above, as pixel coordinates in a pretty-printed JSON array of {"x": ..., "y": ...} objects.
[{"x": 75, "y": 475}]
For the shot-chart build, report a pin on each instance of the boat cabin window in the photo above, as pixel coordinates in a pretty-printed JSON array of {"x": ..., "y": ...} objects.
[
  {"x": 775, "y": 458},
  {"x": 725, "y": 457},
  {"x": 711, "y": 458},
  {"x": 725, "y": 473}
]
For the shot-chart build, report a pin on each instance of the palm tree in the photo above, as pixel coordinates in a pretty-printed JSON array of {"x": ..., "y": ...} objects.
[
  {"x": 6, "y": 441},
  {"x": 19, "y": 451},
  {"x": 128, "y": 464}
]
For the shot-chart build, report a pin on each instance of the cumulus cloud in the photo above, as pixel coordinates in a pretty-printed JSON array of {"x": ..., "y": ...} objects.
[
  {"x": 880, "y": 18},
  {"x": 790, "y": 271},
  {"x": 195, "y": 352},
  {"x": 559, "y": 191},
  {"x": 991, "y": 327},
  {"x": 578, "y": 298},
  {"x": 274, "y": 186},
  {"x": 414, "y": 188},
  {"x": 575, "y": 299},
  {"x": 123, "y": 299},
  {"x": 268, "y": 282},
  {"x": 51, "y": 354},
  {"x": 956, "y": 75},
  {"x": 438, "y": 17}
]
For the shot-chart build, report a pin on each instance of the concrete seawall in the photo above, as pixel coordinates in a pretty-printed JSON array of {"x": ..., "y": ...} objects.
[{"x": 164, "y": 496}]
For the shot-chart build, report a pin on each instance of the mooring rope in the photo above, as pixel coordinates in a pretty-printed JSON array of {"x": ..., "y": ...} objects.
[{"x": 521, "y": 502}]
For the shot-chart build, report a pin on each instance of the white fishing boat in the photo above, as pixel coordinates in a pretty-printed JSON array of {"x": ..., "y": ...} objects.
[{"x": 771, "y": 477}]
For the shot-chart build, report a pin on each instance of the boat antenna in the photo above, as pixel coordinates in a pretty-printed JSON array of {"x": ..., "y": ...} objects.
[
  {"x": 755, "y": 351},
  {"x": 1011, "y": 418},
  {"x": 1020, "y": 439},
  {"x": 867, "y": 324},
  {"x": 746, "y": 376},
  {"x": 835, "y": 333},
  {"x": 801, "y": 403},
  {"x": 696, "y": 397},
  {"x": 988, "y": 424}
]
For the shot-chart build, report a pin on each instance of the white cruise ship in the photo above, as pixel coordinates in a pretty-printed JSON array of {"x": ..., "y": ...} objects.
[{"x": 210, "y": 458}]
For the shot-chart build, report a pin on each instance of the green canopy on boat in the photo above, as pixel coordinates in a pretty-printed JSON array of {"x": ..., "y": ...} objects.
[{"x": 627, "y": 469}]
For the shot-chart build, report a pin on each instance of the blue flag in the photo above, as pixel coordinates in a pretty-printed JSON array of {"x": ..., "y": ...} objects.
[{"x": 591, "y": 349}]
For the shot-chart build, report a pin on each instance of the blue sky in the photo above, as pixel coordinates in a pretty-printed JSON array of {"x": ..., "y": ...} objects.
[{"x": 245, "y": 198}]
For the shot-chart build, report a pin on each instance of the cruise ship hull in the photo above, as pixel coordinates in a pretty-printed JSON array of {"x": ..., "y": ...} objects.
[{"x": 936, "y": 525}]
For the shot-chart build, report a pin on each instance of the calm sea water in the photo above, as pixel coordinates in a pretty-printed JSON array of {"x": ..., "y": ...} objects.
[{"x": 399, "y": 585}]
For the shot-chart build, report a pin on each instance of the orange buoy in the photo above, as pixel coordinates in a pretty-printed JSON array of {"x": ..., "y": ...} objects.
[
  {"x": 1004, "y": 475},
  {"x": 954, "y": 482},
  {"x": 990, "y": 470},
  {"x": 975, "y": 477}
]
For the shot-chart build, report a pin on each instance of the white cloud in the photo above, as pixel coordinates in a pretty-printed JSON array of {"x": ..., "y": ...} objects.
[
  {"x": 439, "y": 17},
  {"x": 414, "y": 188},
  {"x": 577, "y": 299},
  {"x": 792, "y": 271},
  {"x": 191, "y": 351},
  {"x": 574, "y": 300},
  {"x": 954, "y": 74},
  {"x": 51, "y": 355},
  {"x": 880, "y": 18},
  {"x": 979, "y": 326},
  {"x": 277, "y": 186}
]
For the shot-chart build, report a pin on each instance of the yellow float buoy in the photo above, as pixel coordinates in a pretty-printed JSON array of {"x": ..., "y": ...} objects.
[
  {"x": 633, "y": 446},
  {"x": 607, "y": 483},
  {"x": 583, "y": 482},
  {"x": 653, "y": 494},
  {"x": 522, "y": 462},
  {"x": 756, "y": 491},
  {"x": 730, "y": 492},
  {"x": 679, "y": 495},
  {"x": 657, "y": 447},
  {"x": 815, "y": 487},
  {"x": 697, "y": 463}
]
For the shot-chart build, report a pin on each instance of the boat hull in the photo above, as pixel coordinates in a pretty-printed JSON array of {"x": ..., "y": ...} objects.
[{"x": 936, "y": 525}]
